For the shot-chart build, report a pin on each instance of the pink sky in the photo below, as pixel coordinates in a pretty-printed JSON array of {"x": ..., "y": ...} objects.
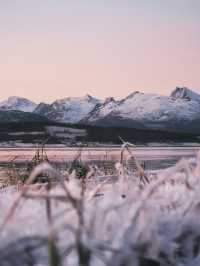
[{"x": 50, "y": 50}]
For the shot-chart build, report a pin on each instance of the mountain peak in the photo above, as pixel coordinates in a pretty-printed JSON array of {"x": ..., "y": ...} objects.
[
  {"x": 184, "y": 93},
  {"x": 108, "y": 100},
  {"x": 133, "y": 94},
  {"x": 15, "y": 99},
  {"x": 88, "y": 97},
  {"x": 18, "y": 103},
  {"x": 11, "y": 98},
  {"x": 69, "y": 109}
]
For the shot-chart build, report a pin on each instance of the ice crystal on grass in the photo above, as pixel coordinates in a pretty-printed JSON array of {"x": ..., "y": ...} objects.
[{"x": 156, "y": 223}]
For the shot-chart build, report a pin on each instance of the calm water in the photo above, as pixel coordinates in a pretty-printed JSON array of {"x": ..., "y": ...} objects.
[{"x": 153, "y": 157}]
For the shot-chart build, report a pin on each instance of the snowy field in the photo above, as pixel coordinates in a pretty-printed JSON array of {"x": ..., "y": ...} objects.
[{"x": 114, "y": 223}]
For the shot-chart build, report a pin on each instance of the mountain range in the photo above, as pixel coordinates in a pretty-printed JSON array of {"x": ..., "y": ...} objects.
[
  {"x": 178, "y": 112},
  {"x": 18, "y": 103}
]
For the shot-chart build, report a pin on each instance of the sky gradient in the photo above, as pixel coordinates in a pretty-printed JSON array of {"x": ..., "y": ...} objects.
[{"x": 52, "y": 49}]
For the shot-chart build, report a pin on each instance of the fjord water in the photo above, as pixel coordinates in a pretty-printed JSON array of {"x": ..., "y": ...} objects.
[{"x": 153, "y": 157}]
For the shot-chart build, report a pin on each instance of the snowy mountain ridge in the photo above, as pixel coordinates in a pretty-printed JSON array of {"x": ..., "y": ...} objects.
[
  {"x": 178, "y": 111},
  {"x": 185, "y": 93},
  {"x": 68, "y": 110},
  {"x": 18, "y": 103}
]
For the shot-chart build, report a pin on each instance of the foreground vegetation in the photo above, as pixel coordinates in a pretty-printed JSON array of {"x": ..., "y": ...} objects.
[{"x": 128, "y": 218}]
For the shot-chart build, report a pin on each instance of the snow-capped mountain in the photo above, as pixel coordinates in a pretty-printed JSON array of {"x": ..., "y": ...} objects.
[
  {"x": 18, "y": 103},
  {"x": 101, "y": 110},
  {"x": 68, "y": 110},
  {"x": 178, "y": 112},
  {"x": 185, "y": 94},
  {"x": 47, "y": 110}
]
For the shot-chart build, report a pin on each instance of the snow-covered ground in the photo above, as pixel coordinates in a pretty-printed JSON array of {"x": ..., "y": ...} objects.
[{"x": 156, "y": 223}]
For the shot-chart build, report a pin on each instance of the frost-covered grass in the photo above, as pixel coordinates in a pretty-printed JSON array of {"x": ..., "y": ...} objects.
[{"x": 124, "y": 223}]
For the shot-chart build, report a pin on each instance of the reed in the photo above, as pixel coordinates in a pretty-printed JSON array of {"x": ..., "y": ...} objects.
[{"x": 137, "y": 220}]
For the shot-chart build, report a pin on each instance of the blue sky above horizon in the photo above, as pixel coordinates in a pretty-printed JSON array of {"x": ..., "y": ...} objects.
[{"x": 52, "y": 49}]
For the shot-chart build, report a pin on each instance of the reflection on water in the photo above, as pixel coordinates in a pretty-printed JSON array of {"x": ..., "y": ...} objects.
[{"x": 152, "y": 158}]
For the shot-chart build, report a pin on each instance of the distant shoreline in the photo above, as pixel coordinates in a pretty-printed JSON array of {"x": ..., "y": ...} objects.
[{"x": 28, "y": 146}]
